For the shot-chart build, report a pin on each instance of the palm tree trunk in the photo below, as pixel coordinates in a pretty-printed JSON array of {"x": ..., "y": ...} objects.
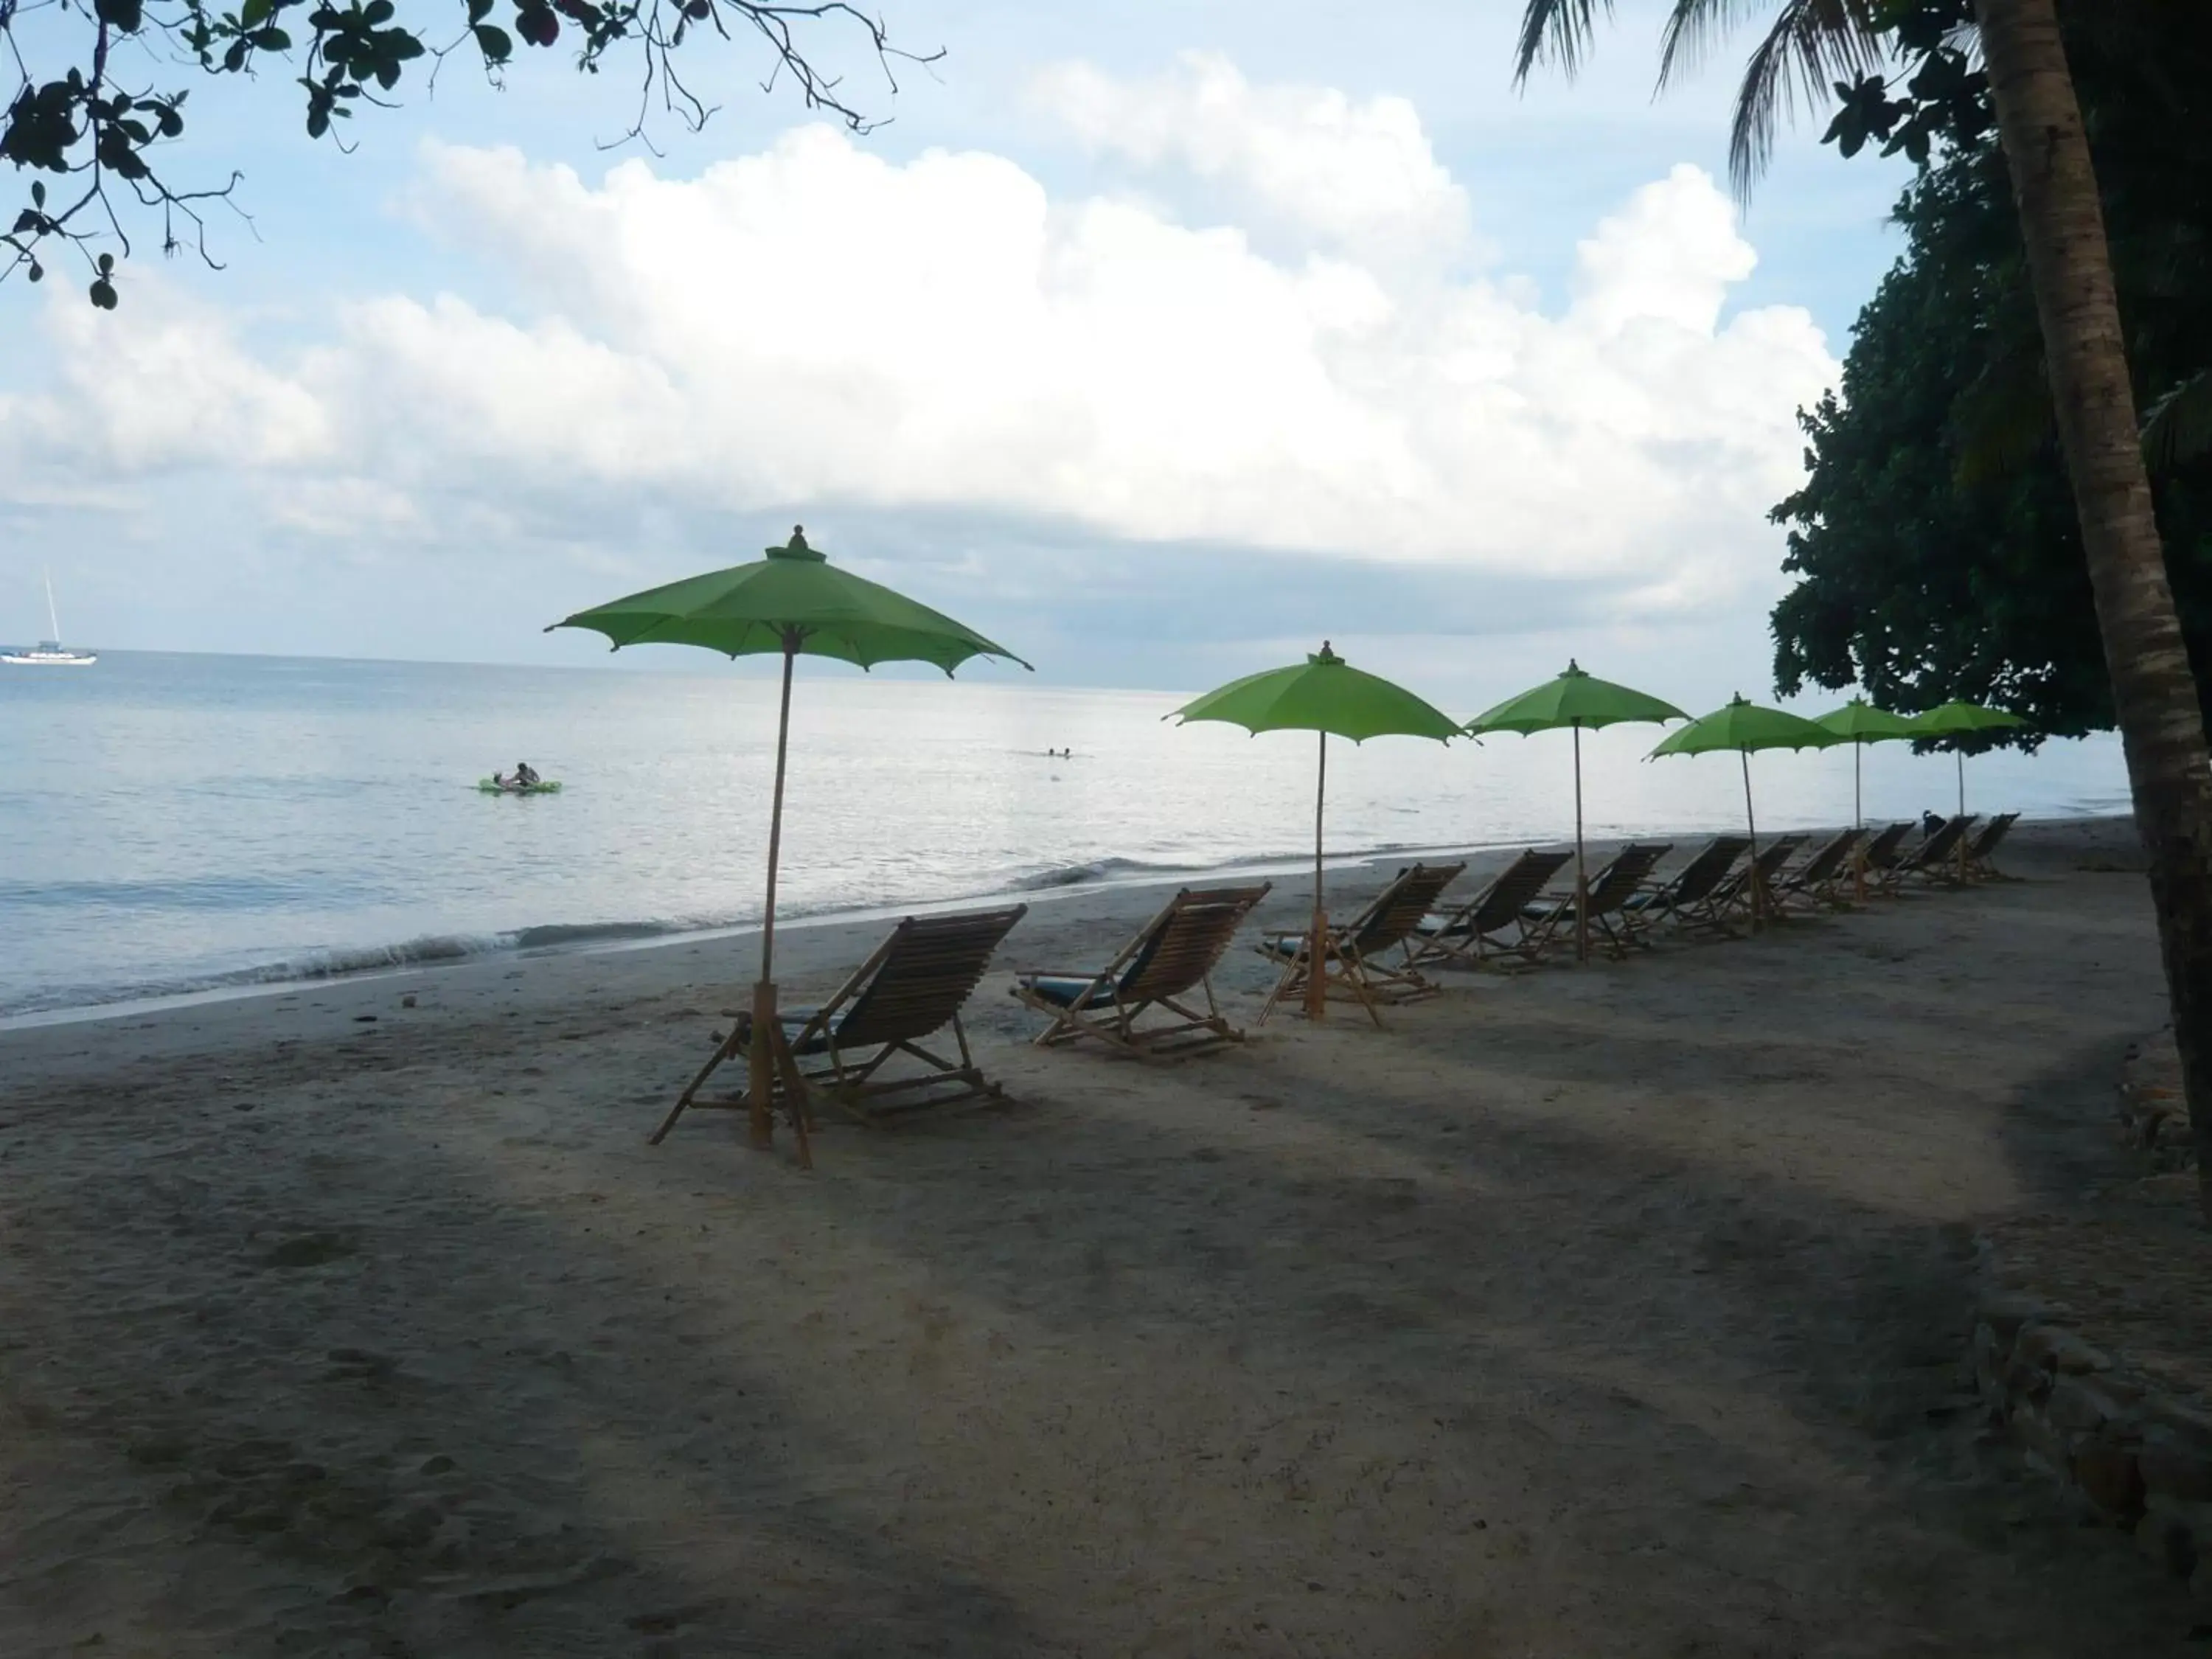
[{"x": 2154, "y": 692}]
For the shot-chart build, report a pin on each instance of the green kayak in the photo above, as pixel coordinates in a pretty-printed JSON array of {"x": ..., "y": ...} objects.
[{"x": 543, "y": 787}]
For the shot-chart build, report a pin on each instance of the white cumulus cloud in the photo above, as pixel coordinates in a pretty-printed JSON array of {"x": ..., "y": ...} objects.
[
  {"x": 1361, "y": 174},
  {"x": 813, "y": 326}
]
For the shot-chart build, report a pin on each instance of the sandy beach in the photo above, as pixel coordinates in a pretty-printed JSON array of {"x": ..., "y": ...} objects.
[{"x": 1612, "y": 1311}]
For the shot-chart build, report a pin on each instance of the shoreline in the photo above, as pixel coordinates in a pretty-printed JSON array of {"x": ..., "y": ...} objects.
[
  {"x": 433, "y": 954},
  {"x": 1066, "y": 924}
]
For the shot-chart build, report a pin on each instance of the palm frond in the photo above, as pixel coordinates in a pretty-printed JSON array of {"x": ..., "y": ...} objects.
[
  {"x": 1694, "y": 28},
  {"x": 2177, "y": 427},
  {"x": 1811, "y": 46},
  {"x": 1559, "y": 31}
]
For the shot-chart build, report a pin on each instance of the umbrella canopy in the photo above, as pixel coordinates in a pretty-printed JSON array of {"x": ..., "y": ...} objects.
[
  {"x": 1322, "y": 694},
  {"x": 1575, "y": 700},
  {"x": 1958, "y": 720},
  {"x": 1745, "y": 726},
  {"x": 1859, "y": 723},
  {"x": 792, "y": 603},
  {"x": 1325, "y": 695},
  {"x": 1949, "y": 719},
  {"x": 757, "y": 609}
]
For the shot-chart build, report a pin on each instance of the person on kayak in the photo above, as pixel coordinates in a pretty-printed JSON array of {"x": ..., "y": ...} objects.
[{"x": 525, "y": 774}]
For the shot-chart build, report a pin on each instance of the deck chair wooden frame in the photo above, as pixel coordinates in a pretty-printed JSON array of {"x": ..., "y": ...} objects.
[
  {"x": 1492, "y": 928},
  {"x": 1688, "y": 898},
  {"x": 1627, "y": 874},
  {"x": 1981, "y": 849},
  {"x": 1873, "y": 862},
  {"x": 1935, "y": 859},
  {"x": 1817, "y": 883},
  {"x": 1762, "y": 872},
  {"x": 912, "y": 986},
  {"x": 1352, "y": 966},
  {"x": 1168, "y": 957}
]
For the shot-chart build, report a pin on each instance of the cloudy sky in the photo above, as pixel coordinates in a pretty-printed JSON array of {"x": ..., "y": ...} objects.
[{"x": 1157, "y": 341}]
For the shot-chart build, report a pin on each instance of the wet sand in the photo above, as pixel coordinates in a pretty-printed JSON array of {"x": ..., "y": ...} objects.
[{"x": 1611, "y": 1311}]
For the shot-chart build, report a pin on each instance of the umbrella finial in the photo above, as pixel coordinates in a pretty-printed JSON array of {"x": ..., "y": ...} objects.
[
  {"x": 1574, "y": 671},
  {"x": 1325, "y": 654},
  {"x": 797, "y": 548}
]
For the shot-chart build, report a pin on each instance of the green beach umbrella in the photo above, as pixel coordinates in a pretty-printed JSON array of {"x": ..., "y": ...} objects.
[
  {"x": 1953, "y": 719},
  {"x": 1744, "y": 726},
  {"x": 1327, "y": 695},
  {"x": 1575, "y": 700},
  {"x": 1859, "y": 723},
  {"x": 792, "y": 603}
]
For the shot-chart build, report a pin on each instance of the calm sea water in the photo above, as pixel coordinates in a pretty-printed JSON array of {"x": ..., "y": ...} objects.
[{"x": 178, "y": 823}]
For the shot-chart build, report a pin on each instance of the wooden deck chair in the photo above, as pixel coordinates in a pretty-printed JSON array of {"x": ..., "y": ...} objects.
[
  {"x": 1765, "y": 869},
  {"x": 1494, "y": 924},
  {"x": 1818, "y": 884},
  {"x": 1626, "y": 875},
  {"x": 1352, "y": 967},
  {"x": 1172, "y": 955},
  {"x": 1879, "y": 857},
  {"x": 1936, "y": 859},
  {"x": 913, "y": 987},
  {"x": 1688, "y": 897},
  {"x": 1984, "y": 844}
]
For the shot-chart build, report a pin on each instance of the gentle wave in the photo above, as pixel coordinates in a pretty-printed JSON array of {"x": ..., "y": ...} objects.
[{"x": 434, "y": 950}]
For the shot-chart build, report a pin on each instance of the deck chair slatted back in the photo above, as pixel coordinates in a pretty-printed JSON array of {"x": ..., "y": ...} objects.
[
  {"x": 928, "y": 968},
  {"x": 1933, "y": 855},
  {"x": 1353, "y": 965},
  {"x": 1515, "y": 889},
  {"x": 1396, "y": 913},
  {"x": 1882, "y": 853},
  {"x": 1173, "y": 956},
  {"x": 1828, "y": 862},
  {"x": 1818, "y": 882},
  {"x": 1983, "y": 848},
  {"x": 1696, "y": 881},
  {"x": 1625, "y": 876},
  {"x": 1613, "y": 893},
  {"x": 1494, "y": 922},
  {"x": 1194, "y": 933},
  {"x": 1776, "y": 854},
  {"x": 1692, "y": 897}
]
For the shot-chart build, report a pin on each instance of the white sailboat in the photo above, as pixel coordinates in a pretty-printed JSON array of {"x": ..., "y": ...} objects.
[{"x": 50, "y": 653}]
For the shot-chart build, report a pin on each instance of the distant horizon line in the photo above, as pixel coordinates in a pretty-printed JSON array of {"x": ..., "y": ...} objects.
[{"x": 635, "y": 666}]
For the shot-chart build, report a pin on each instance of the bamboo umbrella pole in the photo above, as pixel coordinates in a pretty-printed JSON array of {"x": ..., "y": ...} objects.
[
  {"x": 1751, "y": 823},
  {"x": 1961, "y": 753},
  {"x": 1581, "y": 879},
  {"x": 768, "y": 1030},
  {"x": 1316, "y": 947},
  {"x": 1858, "y": 822}
]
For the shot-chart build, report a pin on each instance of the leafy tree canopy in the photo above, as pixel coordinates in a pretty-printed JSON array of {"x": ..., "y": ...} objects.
[
  {"x": 100, "y": 99},
  {"x": 1935, "y": 540}
]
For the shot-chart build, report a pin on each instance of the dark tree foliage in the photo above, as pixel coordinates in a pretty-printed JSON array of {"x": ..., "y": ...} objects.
[
  {"x": 1935, "y": 540},
  {"x": 97, "y": 107}
]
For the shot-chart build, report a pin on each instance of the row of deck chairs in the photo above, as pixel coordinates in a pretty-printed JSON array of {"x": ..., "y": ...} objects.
[
  {"x": 1514, "y": 921},
  {"x": 1154, "y": 998}
]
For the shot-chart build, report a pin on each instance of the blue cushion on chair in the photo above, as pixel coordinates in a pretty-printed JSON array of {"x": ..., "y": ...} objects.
[{"x": 1062, "y": 990}]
